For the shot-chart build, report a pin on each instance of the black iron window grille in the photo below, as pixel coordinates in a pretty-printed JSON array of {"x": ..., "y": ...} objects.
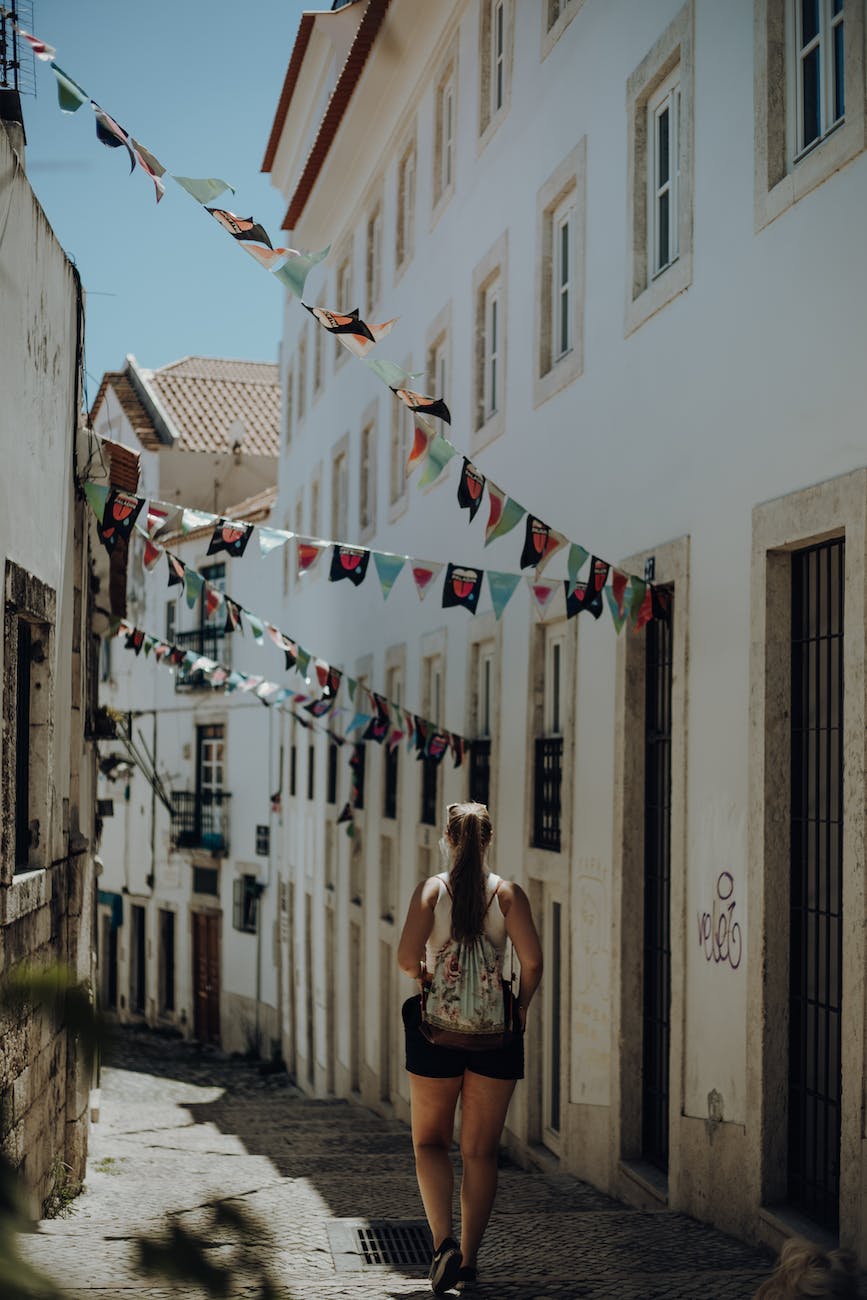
[
  {"x": 657, "y": 892},
  {"x": 263, "y": 841},
  {"x": 311, "y": 771},
  {"x": 429, "y": 791},
  {"x": 246, "y": 891},
  {"x": 208, "y": 641},
  {"x": 548, "y": 779},
  {"x": 293, "y": 769},
  {"x": 389, "y": 800},
  {"x": 200, "y": 820},
  {"x": 480, "y": 770},
  {"x": 331, "y": 790},
  {"x": 816, "y": 898}
]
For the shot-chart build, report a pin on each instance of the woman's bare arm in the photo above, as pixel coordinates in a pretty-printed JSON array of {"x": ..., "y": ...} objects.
[
  {"x": 521, "y": 929},
  {"x": 417, "y": 927}
]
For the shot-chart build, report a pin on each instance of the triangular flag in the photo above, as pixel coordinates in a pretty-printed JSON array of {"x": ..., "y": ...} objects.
[
  {"x": 257, "y": 627},
  {"x": 308, "y": 554},
  {"x": 504, "y": 513},
  {"x": 296, "y": 266},
  {"x": 70, "y": 96},
  {"x": 213, "y": 599},
  {"x": 618, "y": 613},
  {"x": 439, "y": 453},
  {"x": 644, "y": 612},
  {"x": 542, "y": 591},
  {"x": 230, "y": 536},
  {"x": 619, "y": 583},
  {"x": 42, "y": 51},
  {"x": 152, "y": 553},
  {"x": 420, "y": 402},
  {"x": 96, "y": 494},
  {"x": 502, "y": 587},
  {"x": 637, "y": 588},
  {"x": 345, "y": 814},
  {"x": 540, "y": 543},
  {"x": 348, "y": 562},
  {"x": 424, "y": 572},
  {"x": 391, "y": 374},
  {"x": 423, "y": 435},
  {"x": 302, "y": 658},
  {"x": 457, "y": 746},
  {"x": 177, "y": 569},
  {"x": 462, "y": 587},
  {"x": 157, "y": 518},
  {"x": 388, "y": 568},
  {"x": 203, "y": 190},
  {"x": 359, "y": 720},
  {"x": 471, "y": 488},
  {"x": 112, "y": 134},
  {"x": 192, "y": 519},
  {"x": 233, "y": 616},
  {"x": 193, "y": 583},
  {"x": 575, "y": 562},
  {"x": 271, "y": 538}
]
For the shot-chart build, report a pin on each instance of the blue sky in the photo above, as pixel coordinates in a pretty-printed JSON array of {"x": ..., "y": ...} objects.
[{"x": 197, "y": 82}]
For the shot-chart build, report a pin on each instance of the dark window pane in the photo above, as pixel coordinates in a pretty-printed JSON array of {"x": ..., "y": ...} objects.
[
  {"x": 662, "y": 246},
  {"x": 663, "y": 163},
  {"x": 810, "y": 114},
  {"x": 809, "y": 20},
  {"x": 839, "y": 101}
]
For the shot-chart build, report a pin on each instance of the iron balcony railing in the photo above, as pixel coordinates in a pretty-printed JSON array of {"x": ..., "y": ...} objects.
[
  {"x": 548, "y": 776},
  {"x": 209, "y": 641},
  {"x": 200, "y": 820},
  {"x": 480, "y": 770}
]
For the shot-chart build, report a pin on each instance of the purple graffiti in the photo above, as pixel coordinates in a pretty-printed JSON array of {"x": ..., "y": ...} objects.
[{"x": 719, "y": 934}]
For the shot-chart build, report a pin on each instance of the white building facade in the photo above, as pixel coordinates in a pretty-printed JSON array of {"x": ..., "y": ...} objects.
[{"x": 625, "y": 244}]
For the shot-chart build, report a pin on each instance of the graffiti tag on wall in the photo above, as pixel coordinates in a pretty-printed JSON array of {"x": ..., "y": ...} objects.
[{"x": 719, "y": 934}]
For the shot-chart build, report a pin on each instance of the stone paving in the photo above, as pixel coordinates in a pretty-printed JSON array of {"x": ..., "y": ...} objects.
[{"x": 183, "y": 1129}]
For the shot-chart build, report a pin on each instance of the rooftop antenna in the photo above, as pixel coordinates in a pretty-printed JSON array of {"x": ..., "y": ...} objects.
[{"x": 17, "y": 61}]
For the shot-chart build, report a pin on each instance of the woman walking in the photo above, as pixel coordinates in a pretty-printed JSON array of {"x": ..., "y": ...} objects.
[{"x": 453, "y": 942}]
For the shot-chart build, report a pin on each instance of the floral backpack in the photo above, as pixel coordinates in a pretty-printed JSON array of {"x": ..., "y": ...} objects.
[{"x": 465, "y": 1002}]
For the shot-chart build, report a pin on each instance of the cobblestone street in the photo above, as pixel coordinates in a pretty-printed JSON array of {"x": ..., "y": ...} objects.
[{"x": 181, "y": 1129}]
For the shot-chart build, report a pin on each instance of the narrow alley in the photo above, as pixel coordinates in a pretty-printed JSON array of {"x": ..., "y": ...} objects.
[{"x": 183, "y": 1130}]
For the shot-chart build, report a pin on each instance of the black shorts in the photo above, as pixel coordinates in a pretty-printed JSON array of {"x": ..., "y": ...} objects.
[{"x": 434, "y": 1062}]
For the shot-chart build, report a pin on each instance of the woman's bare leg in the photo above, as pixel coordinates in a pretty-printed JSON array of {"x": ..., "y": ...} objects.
[
  {"x": 433, "y": 1104},
  {"x": 484, "y": 1105}
]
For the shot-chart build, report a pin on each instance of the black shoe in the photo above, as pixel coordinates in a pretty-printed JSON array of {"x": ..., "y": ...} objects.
[
  {"x": 467, "y": 1281},
  {"x": 445, "y": 1266}
]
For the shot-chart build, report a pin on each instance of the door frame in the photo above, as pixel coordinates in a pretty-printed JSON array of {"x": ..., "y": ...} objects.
[{"x": 213, "y": 921}]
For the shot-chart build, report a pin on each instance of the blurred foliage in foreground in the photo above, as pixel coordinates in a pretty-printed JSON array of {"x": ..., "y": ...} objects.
[{"x": 177, "y": 1256}]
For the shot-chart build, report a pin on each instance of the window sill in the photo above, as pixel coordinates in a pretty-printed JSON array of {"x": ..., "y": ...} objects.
[
  {"x": 491, "y": 127},
  {"x": 562, "y": 373},
  {"x": 25, "y": 893},
  {"x": 551, "y": 35},
  {"x": 398, "y": 508},
  {"x": 669, "y": 284},
  {"x": 440, "y": 206},
  {"x": 494, "y": 427},
  {"x": 809, "y": 171}
]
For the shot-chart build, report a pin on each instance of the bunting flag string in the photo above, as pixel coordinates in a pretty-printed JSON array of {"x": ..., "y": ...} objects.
[
  {"x": 386, "y": 713},
  {"x": 350, "y": 562},
  {"x": 291, "y": 267}
]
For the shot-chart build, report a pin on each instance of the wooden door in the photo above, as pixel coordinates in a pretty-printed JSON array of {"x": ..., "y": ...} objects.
[{"x": 206, "y": 977}]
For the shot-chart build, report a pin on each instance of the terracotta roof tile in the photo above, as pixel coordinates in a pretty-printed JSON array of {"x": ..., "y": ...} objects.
[
  {"x": 207, "y": 397},
  {"x": 132, "y": 405}
]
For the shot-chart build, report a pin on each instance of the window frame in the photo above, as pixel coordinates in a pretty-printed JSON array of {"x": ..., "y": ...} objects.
[
  {"x": 340, "y": 490},
  {"x": 796, "y": 49},
  {"x": 373, "y": 256},
  {"x": 490, "y": 283},
  {"x": 445, "y": 132},
  {"x": 404, "y": 243},
  {"x": 367, "y": 479},
  {"x": 301, "y": 361},
  {"x": 562, "y": 197},
  {"x": 343, "y": 295}
]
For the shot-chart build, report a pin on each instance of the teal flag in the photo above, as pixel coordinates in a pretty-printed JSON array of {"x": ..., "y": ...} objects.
[
  {"x": 204, "y": 190},
  {"x": 391, "y": 374},
  {"x": 502, "y": 588},
  {"x": 388, "y": 568},
  {"x": 510, "y": 515},
  {"x": 637, "y": 588},
  {"x": 296, "y": 267},
  {"x": 70, "y": 96},
  {"x": 96, "y": 494},
  {"x": 577, "y": 556},
  {"x": 302, "y": 661},
  {"x": 439, "y": 453},
  {"x": 191, "y": 519},
  {"x": 618, "y": 618},
  {"x": 257, "y": 627},
  {"x": 193, "y": 583},
  {"x": 360, "y": 720},
  {"x": 233, "y": 681}
]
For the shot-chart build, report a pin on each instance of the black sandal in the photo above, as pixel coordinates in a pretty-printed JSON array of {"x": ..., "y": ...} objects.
[{"x": 467, "y": 1280}]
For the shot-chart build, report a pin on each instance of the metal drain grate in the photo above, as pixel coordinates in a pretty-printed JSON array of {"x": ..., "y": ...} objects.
[{"x": 362, "y": 1244}]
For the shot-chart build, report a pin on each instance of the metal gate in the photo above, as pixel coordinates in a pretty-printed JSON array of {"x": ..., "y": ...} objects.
[
  {"x": 816, "y": 912},
  {"x": 657, "y": 890}
]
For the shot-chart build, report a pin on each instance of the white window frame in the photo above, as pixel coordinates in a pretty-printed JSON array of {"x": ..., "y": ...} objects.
[
  {"x": 367, "y": 480},
  {"x": 447, "y": 126},
  {"x": 485, "y": 692},
  {"x": 492, "y": 379},
  {"x": 406, "y": 178},
  {"x": 440, "y": 366},
  {"x": 374, "y": 257},
  {"x": 823, "y": 41},
  {"x": 554, "y": 703},
  {"x": 302, "y": 375},
  {"x": 340, "y": 494},
  {"x": 343, "y": 303},
  {"x": 665, "y": 99},
  {"x": 562, "y": 284},
  {"x": 318, "y": 359},
  {"x": 498, "y": 57}
]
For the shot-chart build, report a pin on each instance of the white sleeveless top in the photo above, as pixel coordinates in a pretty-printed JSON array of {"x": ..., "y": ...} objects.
[{"x": 494, "y": 924}]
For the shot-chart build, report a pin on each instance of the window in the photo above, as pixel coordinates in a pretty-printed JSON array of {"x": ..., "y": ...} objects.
[
  {"x": 659, "y": 100},
  {"x": 331, "y": 783},
  {"x": 171, "y": 615},
  {"x": 367, "y": 481},
  {"x": 105, "y": 658},
  {"x": 302, "y": 374},
  {"x": 28, "y": 721},
  {"x": 245, "y": 904},
  {"x": 819, "y": 70},
  {"x": 263, "y": 841},
  {"x": 394, "y": 688},
  {"x": 340, "y": 496},
  {"x": 166, "y": 988},
  {"x": 401, "y": 441},
  {"x": 495, "y": 57},
  {"x": 663, "y": 134},
  {"x": 206, "y": 880},
  {"x": 289, "y": 408},
  {"x": 344, "y": 302},
  {"x": 358, "y": 763},
  {"x": 489, "y": 296},
  {"x": 311, "y": 771},
  {"x": 315, "y": 508},
  {"x": 405, "y": 240},
  {"x": 438, "y": 366},
  {"x": 318, "y": 348},
  {"x": 210, "y": 830},
  {"x": 432, "y": 692},
  {"x": 548, "y": 766},
  {"x": 480, "y": 751},
  {"x": 373, "y": 261},
  {"x": 299, "y": 529},
  {"x": 293, "y": 769},
  {"x": 444, "y": 137},
  {"x": 556, "y": 17},
  {"x": 562, "y": 289}
]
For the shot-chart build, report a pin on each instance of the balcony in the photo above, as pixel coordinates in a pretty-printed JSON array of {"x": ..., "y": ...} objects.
[
  {"x": 200, "y": 820},
  {"x": 210, "y": 641},
  {"x": 548, "y": 778}
]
